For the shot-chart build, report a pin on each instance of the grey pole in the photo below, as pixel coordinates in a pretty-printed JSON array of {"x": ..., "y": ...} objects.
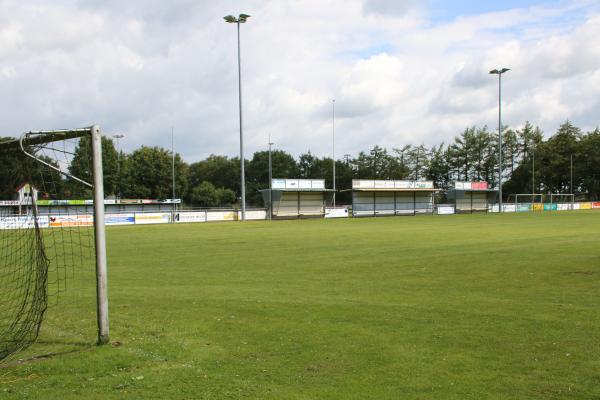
[
  {"x": 270, "y": 181},
  {"x": 119, "y": 164},
  {"x": 173, "y": 168},
  {"x": 100, "y": 237},
  {"x": 571, "y": 185},
  {"x": 243, "y": 181},
  {"x": 333, "y": 147},
  {"x": 500, "y": 72},
  {"x": 533, "y": 173},
  {"x": 500, "y": 139},
  {"x": 242, "y": 18}
]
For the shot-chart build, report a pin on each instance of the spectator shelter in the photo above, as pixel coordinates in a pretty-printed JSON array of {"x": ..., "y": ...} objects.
[
  {"x": 470, "y": 197},
  {"x": 376, "y": 197},
  {"x": 297, "y": 198}
]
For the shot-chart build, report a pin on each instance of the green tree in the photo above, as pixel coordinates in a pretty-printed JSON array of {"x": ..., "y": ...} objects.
[
  {"x": 149, "y": 172},
  {"x": 225, "y": 197},
  {"x": 221, "y": 171},
  {"x": 587, "y": 165},
  {"x": 16, "y": 168},
  {"x": 257, "y": 172},
  {"x": 81, "y": 167},
  {"x": 205, "y": 195}
]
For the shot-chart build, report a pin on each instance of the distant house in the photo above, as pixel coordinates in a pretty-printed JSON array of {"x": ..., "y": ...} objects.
[{"x": 24, "y": 192}]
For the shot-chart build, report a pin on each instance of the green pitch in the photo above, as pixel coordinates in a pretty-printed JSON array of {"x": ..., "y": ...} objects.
[{"x": 428, "y": 307}]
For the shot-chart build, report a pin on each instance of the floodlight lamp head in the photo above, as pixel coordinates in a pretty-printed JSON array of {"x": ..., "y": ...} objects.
[
  {"x": 494, "y": 71},
  {"x": 230, "y": 18},
  {"x": 243, "y": 17},
  {"x": 503, "y": 70}
]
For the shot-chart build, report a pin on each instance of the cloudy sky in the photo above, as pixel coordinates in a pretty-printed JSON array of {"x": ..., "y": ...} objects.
[{"x": 400, "y": 71}]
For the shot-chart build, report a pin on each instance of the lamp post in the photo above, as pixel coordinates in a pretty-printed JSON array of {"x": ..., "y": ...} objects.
[
  {"x": 173, "y": 168},
  {"x": 333, "y": 145},
  {"x": 499, "y": 72},
  {"x": 241, "y": 19},
  {"x": 118, "y": 164},
  {"x": 270, "y": 181}
]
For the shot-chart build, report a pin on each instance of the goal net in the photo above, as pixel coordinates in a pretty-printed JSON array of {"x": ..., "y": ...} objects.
[{"x": 50, "y": 228}]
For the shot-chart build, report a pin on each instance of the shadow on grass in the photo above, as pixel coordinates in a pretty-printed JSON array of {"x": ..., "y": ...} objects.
[{"x": 80, "y": 348}]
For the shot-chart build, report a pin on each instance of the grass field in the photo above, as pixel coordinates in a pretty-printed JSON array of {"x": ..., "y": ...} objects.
[{"x": 429, "y": 307}]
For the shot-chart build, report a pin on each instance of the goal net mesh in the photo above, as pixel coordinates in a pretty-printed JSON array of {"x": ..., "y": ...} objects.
[{"x": 46, "y": 228}]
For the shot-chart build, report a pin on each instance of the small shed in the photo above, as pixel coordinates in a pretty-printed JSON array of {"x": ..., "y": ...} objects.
[
  {"x": 392, "y": 197},
  {"x": 297, "y": 198},
  {"x": 471, "y": 197}
]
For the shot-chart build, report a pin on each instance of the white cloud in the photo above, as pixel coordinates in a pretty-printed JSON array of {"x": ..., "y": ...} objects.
[{"x": 140, "y": 67}]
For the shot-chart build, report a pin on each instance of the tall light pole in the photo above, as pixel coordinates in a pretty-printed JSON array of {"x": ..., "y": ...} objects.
[
  {"x": 333, "y": 144},
  {"x": 173, "y": 168},
  {"x": 118, "y": 164},
  {"x": 270, "y": 181},
  {"x": 499, "y": 72},
  {"x": 240, "y": 20},
  {"x": 571, "y": 185},
  {"x": 533, "y": 172}
]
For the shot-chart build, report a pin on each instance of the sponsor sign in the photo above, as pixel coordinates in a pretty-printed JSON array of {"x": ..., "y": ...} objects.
[
  {"x": 254, "y": 214},
  {"x": 129, "y": 201},
  {"x": 585, "y": 206},
  {"x": 291, "y": 184},
  {"x": 278, "y": 183},
  {"x": 524, "y": 207},
  {"x": 63, "y": 221},
  {"x": 318, "y": 184},
  {"x": 563, "y": 206},
  {"x": 390, "y": 184},
  {"x": 152, "y": 218},
  {"x": 596, "y": 204},
  {"x": 9, "y": 202},
  {"x": 445, "y": 209},
  {"x": 471, "y": 185},
  {"x": 119, "y": 219},
  {"x": 550, "y": 207},
  {"x": 192, "y": 216},
  {"x": 221, "y": 216},
  {"x": 304, "y": 184},
  {"x": 336, "y": 212},
  {"x": 22, "y": 222},
  {"x": 298, "y": 184}
]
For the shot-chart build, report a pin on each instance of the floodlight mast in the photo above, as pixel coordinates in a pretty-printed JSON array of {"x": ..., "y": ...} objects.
[
  {"x": 499, "y": 72},
  {"x": 242, "y": 18}
]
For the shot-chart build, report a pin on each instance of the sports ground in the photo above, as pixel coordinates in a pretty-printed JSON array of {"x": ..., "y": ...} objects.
[{"x": 427, "y": 307}]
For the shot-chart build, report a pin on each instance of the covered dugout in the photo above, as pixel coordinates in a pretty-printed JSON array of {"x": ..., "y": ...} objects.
[
  {"x": 297, "y": 198},
  {"x": 377, "y": 197},
  {"x": 471, "y": 197}
]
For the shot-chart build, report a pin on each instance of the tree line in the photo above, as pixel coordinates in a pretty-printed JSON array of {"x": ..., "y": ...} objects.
[{"x": 566, "y": 162}]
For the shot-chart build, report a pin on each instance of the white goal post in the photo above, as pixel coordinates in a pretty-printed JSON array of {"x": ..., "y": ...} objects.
[{"x": 29, "y": 143}]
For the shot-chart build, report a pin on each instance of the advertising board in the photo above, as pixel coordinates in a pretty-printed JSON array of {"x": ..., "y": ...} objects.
[
  {"x": 596, "y": 204},
  {"x": 152, "y": 218},
  {"x": 390, "y": 184},
  {"x": 63, "y": 221},
  {"x": 445, "y": 209},
  {"x": 119, "y": 219},
  {"x": 22, "y": 222},
  {"x": 221, "y": 216},
  {"x": 191, "y": 216}
]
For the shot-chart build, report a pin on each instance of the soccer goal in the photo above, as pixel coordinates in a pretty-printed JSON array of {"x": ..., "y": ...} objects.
[
  {"x": 529, "y": 202},
  {"x": 44, "y": 241},
  {"x": 562, "y": 201}
]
